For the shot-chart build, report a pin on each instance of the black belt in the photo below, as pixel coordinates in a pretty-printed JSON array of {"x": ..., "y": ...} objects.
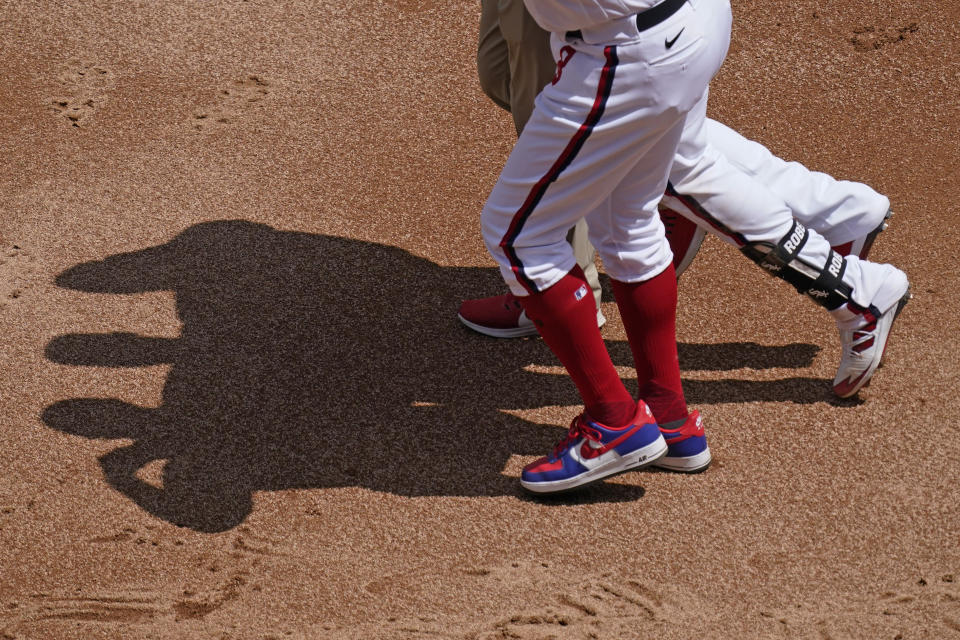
[{"x": 647, "y": 19}]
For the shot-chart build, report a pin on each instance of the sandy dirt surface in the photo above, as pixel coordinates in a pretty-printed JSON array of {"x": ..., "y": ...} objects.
[{"x": 236, "y": 402}]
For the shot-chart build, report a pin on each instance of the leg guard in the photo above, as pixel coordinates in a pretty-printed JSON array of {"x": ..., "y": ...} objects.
[{"x": 822, "y": 283}]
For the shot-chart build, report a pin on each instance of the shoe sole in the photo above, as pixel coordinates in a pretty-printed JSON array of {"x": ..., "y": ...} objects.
[
  {"x": 872, "y": 236},
  {"x": 692, "y": 250},
  {"x": 841, "y": 390},
  {"x": 493, "y": 332},
  {"x": 514, "y": 332},
  {"x": 689, "y": 464},
  {"x": 642, "y": 457}
]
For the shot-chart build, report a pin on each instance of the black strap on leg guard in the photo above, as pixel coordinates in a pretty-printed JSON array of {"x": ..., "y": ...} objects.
[
  {"x": 823, "y": 284},
  {"x": 774, "y": 258},
  {"x": 830, "y": 290}
]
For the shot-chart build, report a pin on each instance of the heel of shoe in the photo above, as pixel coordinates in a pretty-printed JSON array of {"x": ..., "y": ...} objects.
[{"x": 689, "y": 464}]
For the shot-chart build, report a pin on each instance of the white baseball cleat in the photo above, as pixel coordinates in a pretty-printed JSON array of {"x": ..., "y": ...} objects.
[{"x": 864, "y": 333}]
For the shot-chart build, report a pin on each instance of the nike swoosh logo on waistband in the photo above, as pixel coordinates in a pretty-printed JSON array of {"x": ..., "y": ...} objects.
[{"x": 669, "y": 43}]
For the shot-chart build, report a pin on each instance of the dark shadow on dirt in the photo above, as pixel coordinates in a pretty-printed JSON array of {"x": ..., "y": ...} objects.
[{"x": 310, "y": 361}]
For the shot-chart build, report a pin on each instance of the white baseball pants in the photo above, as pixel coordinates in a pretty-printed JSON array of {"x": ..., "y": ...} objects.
[
  {"x": 600, "y": 144},
  {"x": 762, "y": 203},
  {"x": 840, "y": 210}
]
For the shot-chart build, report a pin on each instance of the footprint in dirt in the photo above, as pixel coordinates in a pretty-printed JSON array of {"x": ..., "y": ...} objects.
[
  {"x": 17, "y": 272},
  {"x": 233, "y": 103},
  {"x": 873, "y": 38},
  {"x": 82, "y": 90},
  {"x": 223, "y": 581},
  {"x": 608, "y": 606},
  {"x": 932, "y": 604},
  {"x": 938, "y": 598},
  {"x": 85, "y": 75},
  {"x": 44, "y": 613},
  {"x": 75, "y": 111}
]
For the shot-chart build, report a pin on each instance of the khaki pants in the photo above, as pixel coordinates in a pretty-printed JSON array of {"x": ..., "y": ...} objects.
[{"x": 514, "y": 63}]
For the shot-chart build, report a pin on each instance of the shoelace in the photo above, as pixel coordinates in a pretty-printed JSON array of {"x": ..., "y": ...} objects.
[
  {"x": 577, "y": 429},
  {"x": 862, "y": 337}
]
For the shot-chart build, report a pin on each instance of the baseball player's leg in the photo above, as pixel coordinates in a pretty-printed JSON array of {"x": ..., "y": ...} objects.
[
  {"x": 848, "y": 214},
  {"x": 651, "y": 329},
  {"x": 514, "y": 61},
  {"x": 841, "y": 211},
  {"x": 860, "y": 294},
  {"x": 646, "y": 296},
  {"x": 590, "y": 136},
  {"x": 564, "y": 312},
  {"x": 647, "y": 305},
  {"x": 532, "y": 67},
  {"x": 564, "y": 164}
]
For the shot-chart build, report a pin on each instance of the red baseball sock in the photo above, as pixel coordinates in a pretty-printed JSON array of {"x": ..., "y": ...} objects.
[
  {"x": 649, "y": 313},
  {"x": 566, "y": 317}
]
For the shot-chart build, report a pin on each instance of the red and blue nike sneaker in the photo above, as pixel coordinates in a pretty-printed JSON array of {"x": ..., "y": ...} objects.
[
  {"x": 592, "y": 451},
  {"x": 687, "y": 450}
]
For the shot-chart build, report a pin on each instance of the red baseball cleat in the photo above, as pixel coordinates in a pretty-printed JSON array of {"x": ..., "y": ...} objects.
[
  {"x": 501, "y": 317},
  {"x": 861, "y": 246},
  {"x": 684, "y": 237}
]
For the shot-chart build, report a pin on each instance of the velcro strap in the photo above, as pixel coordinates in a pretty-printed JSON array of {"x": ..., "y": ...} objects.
[
  {"x": 829, "y": 289},
  {"x": 788, "y": 247},
  {"x": 824, "y": 285}
]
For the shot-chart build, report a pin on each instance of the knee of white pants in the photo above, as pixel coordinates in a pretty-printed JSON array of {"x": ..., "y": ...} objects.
[
  {"x": 636, "y": 265},
  {"x": 533, "y": 269},
  {"x": 630, "y": 239},
  {"x": 733, "y": 202},
  {"x": 529, "y": 264},
  {"x": 848, "y": 212},
  {"x": 494, "y": 223},
  {"x": 841, "y": 211}
]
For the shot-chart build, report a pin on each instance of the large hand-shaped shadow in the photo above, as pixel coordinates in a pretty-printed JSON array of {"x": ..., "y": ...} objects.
[
  {"x": 310, "y": 361},
  {"x": 305, "y": 361}
]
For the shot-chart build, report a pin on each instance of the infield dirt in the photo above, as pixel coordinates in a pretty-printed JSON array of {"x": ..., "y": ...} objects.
[{"x": 238, "y": 404}]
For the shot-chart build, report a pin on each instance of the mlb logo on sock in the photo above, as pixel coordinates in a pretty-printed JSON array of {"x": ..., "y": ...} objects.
[{"x": 580, "y": 293}]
